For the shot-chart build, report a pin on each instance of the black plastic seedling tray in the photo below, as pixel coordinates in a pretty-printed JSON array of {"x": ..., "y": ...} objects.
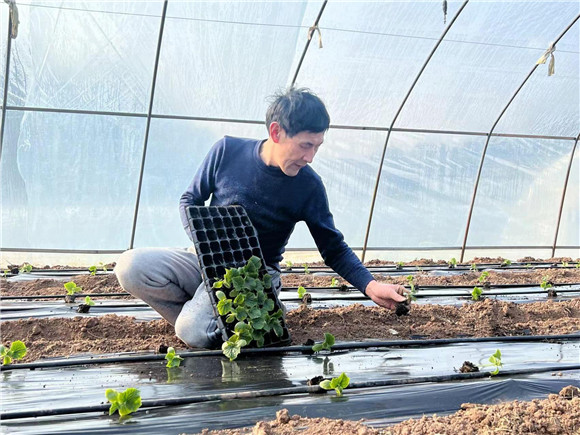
[{"x": 225, "y": 238}]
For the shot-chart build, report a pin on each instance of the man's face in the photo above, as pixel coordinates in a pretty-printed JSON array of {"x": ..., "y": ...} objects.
[{"x": 293, "y": 153}]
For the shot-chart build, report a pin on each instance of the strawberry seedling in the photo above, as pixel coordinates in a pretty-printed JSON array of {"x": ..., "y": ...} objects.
[
  {"x": 126, "y": 402},
  {"x": 84, "y": 308},
  {"x": 412, "y": 295},
  {"x": 16, "y": 351},
  {"x": 306, "y": 270},
  {"x": 336, "y": 384},
  {"x": 249, "y": 305},
  {"x": 71, "y": 289},
  {"x": 474, "y": 267},
  {"x": 334, "y": 282},
  {"x": 452, "y": 263},
  {"x": 505, "y": 263},
  {"x": 173, "y": 360},
  {"x": 548, "y": 286},
  {"x": 495, "y": 359},
  {"x": 289, "y": 265},
  {"x": 326, "y": 344},
  {"x": 25, "y": 268},
  {"x": 93, "y": 270},
  {"x": 301, "y": 292},
  {"x": 484, "y": 275},
  {"x": 564, "y": 264},
  {"x": 399, "y": 265},
  {"x": 476, "y": 293}
]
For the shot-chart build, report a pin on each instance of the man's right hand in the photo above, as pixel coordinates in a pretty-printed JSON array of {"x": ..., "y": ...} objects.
[{"x": 386, "y": 295}]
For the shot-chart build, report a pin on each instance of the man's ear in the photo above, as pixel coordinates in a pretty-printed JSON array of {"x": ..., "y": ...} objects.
[{"x": 275, "y": 131}]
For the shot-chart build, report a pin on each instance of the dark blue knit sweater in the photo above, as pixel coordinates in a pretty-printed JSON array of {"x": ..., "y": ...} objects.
[{"x": 235, "y": 174}]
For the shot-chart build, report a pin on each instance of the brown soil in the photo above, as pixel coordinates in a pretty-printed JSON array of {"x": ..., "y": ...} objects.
[
  {"x": 556, "y": 276},
  {"x": 109, "y": 284},
  {"x": 559, "y": 414},
  {"x": 59, "y": 337},
  {"x": 90, "y": 284},
  {"x": 483, "y": 319}
]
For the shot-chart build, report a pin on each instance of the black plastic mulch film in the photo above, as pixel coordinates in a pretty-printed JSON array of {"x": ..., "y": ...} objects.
[{"x": 225, "y": 238}]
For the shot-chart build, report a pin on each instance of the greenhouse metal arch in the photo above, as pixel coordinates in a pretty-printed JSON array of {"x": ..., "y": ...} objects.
[{"x": 496, "y": 168}]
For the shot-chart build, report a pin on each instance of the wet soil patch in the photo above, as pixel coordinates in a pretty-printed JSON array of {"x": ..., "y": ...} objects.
[
  {"x": 557, "y": 414},
  {"x": 59, "y": 337}
]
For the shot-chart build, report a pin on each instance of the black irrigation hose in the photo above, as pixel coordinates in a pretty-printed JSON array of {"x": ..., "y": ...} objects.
[
  {"x": 291, "y": 349},
  {"x": 392, "y": 268},
  {"x": 336, "y": 289},
  {"x": 283, "y": 392}
]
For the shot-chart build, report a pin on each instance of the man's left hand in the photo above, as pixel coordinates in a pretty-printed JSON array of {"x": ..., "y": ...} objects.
[{"x": 386, "y": 295}]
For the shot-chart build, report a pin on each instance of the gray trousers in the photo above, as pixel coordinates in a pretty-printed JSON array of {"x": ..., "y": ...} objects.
[{"x": 169, "y": 280}]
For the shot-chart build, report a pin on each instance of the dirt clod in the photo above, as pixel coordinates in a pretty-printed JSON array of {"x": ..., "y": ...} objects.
[
  {"x": 282, "y": 416},
  {"x": 468, "y": 367},
  {"x": 402, "y": 308}
]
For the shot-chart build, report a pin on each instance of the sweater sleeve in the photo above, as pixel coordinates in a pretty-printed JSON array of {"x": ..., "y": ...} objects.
[
  {"x": 330, "y": 241},
  {"x": 203, "y": 183}
]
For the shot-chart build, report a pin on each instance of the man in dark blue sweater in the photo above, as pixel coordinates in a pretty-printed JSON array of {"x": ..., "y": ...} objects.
[{"x": 272, "y": 180}]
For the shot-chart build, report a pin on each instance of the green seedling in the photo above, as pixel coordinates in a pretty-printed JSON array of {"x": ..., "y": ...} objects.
[
  {"x": 17, "y": 351},
  {"x": 399, "y": 265},
  {"x": 412, "y": 295},
  {"x": 126, "y": 402},
  {"x": 247, "y": 304},
  {"x": 301, "y": 291},
  {"x": 452, "y": 263},
  {"x": 474, "y": 267},
  {"x": 5, "y": 273},
  {"x": 25, "y": 268},
  {"x": 334, "y": 282},
  {"x": 72, "y": 288},
  {"x": 173, "y": 360},
  {"x": 93, "y": 270},
  {"x": 545, "y": 283},
  {"x": 528, "y": 266},
  {"x": 578, "y": 265},
  {"x": 89, "y": 301},
  {"x": 495, "y": 359},
  {"x": 564, "y": 264},
  {"x": 289, "y": 264},
  {"x": 103, "y": 266},
  {"x": 484, "y": 275},
  {"x": 336, "y": 384},
  {"x": 326, "y": 344},
  {"x": 506, "y": 263},
  {"x": 306, "y": 271},
  {"x": 476, "y": 293}
]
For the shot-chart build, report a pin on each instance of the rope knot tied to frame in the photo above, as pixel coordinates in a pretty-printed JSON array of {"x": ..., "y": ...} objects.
[
  {"x": 311, "y": 31},
  {"x": 13, "y": 18},
  {"x": 544, "y": 57}
]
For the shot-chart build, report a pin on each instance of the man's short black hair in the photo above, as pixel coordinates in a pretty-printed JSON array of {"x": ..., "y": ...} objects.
[{"x": 298, "y": 110}]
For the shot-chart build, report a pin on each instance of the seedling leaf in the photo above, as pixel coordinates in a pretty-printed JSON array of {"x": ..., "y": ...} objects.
[
  {"x": 476, "y": 293},
  {"x": 301, "y": 292},
  {"x": 337, "y": 384},
  {"x": 89, "y": 301},
  {"x": 173, "y": 360}
]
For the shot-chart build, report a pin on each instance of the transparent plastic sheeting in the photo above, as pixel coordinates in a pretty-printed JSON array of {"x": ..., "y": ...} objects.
[
  {"x": 69, "y": 181},
  {"x": 175, "y": 150},
  {"x": 550, "y": 105},
  {"x": 371, "y": 54},
  {"x": 519, "y": 193},
  {"x": 482, "y": 61},
  {"x": 425, "y": 190},
  {"x": 68, "y": 57},
  {"x": 60, "y": 388},
  {"x": 569, "y": 234},
  {"x": 221, "y": 59}
]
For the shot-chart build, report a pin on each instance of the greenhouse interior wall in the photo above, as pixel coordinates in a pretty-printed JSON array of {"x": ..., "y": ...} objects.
[{"x": 102, "y": 132}]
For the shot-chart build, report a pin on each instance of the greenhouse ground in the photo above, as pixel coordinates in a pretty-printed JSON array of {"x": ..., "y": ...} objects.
[{"x": 407, "y": 375}]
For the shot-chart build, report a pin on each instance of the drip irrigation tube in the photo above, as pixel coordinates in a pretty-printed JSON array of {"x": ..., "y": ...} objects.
[
  {"x": 282, "y": 392},
  {"x": 386, "y": 267},
  {"x": 337, "y": 289},
  {"x": 291, "y": 349}
]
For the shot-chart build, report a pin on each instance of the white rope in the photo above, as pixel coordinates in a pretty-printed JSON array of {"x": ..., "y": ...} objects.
[
  {"x": 311, "y": 32},
  {"x": 544, "y": 57},
  {"x": 13, "y": 18}
]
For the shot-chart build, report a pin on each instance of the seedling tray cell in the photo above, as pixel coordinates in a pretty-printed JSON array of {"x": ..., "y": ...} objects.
[{"x": 225, "y": 238}]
